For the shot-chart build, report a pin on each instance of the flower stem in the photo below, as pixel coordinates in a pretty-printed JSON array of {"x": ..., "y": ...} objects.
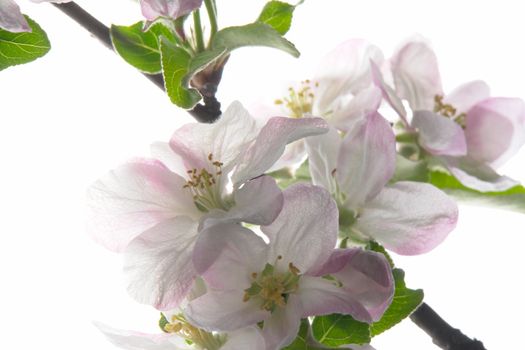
[
  {"x": 212, "y": 15},
  {"x": 197, "y": 27},
  {"x": 443, "y": 334}
]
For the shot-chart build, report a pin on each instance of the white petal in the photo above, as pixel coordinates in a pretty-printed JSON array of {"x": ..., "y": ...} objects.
[
  {"x": 366, "y": 160},
  {"x": 409, "y": 218},
  {"x": 388, "y": 93},
  {"x": 225, "y": 139},
  {"x": 322, "y": 158},
  {"x": 132, "y": 199},
  {"x": 11, "y": 19},
  {"x": 282, "y": 327},
  {"x": 158, "y": 263},
  {"x": 140, "y": 341},
  {"x": 224, "y": 311},
  {"x": 163, "y": 152},
  {"x": 467, "y": 95},
  {"x": 439, "y": 135},
  {"x": 416, "y": 75},
  {"x": 247, "y": 338},
  {"x": 271, "y": 142},
  {"x": 305, "y": 232}
]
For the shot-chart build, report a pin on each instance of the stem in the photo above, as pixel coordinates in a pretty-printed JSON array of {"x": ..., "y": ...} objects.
[
  {"x": 443, "y": 334},
  {"x": 207, "y": 113},
  {"x": 212, "y": 15},
  {"x": 199, "y": 39}
]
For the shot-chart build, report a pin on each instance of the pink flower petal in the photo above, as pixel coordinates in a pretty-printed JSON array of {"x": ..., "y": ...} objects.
[
  {"x": 305, "y": 232},
  {"x": 271, "y": 142},
  {"x": 132, "y": 199},
  {"x": 467, "y": 95},
  {"x": 349, "y": 111},
  {"x": 345, "y": 70},
  {"x": 11, "y": 19},
  {"x": 366, "y": 160},
  {"x": 477, "y": 176},
  {"x": 135, "y": 340},
  {"x": 409, "y": 218},
  {"x": 224, "y": 311},
  {"x": 495, "y": 130},
  {"x": 282, "y": 327},
  {"x": 158, "y": 263},
  {"x": 439, "y": 135},
  {"x": 416, "y": 75},
  {"x": 225, "y": 139},
  {"x": 322, "y": 158},
  {"x": 152, "y": 9},
  {"x": 388, "y": 93}
]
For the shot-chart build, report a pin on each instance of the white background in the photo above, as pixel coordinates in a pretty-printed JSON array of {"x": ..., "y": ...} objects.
[{"x": 70, "y": 117}]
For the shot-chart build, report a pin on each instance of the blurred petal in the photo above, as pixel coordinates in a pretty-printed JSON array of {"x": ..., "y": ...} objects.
[
  {"x": 158, "y": 263},
  {"x": 270, "y": 144},
  {"x": 416, "y": 75},
  {"x": 467, "y": 95},
  {"x": 224, "y": 311},
  {"x": 305, "y": 232},
  {"x": 140, "y": 341},
  {"x": 439, "y": 135},
  {"x": 409, "y": 218},
  {"x": 225, "y": 139},
  {"x": 350, "y": 111},
  {"x": 132, "y": 199},
  {"x": 246, "y": 338},
  {"x": 495, "y": 130},
  {"x": 258, "y": 201},
  {"x": 322, "y": 158},
  {"x": 282, "y": 327},
  {"x": 345, "y": 70},
  {"x": 366, "y": 160},
  {"x": 11, "y": 19},
  {"x": 478, "y": 176},
  {"x": 151, "y": 9}
]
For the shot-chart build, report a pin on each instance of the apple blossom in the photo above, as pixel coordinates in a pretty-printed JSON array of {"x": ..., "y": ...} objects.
[
  {"x": 153, "y": 9},
  {"x": 467, "y": 131},
  {"x": 11, "y": 19},
  {"x": 296, "y": 275},
  {"x": 153, "y": 210},
  {"x": 406, "y": 217}
]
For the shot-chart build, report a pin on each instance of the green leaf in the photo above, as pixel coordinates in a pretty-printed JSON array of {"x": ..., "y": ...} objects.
[
  {"x": 336, "y": 330},
  {"x": 404, "y": 303},
  {"x": 511, "y": 199},
  {"x": 278, "y": 15},
  {"x": 20, "y": 48},
  {"x": 300, "y": 342},
  {"x": 139, "y": 48},
  {"x": 163, "y": 322},
  {"x": 254, "y": 34},
  {"x": 407, "y": 170},
  {"x": 176, "y": 65}
]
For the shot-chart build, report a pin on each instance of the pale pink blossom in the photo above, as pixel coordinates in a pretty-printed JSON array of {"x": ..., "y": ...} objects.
[
  {"x": 469, "y": 132},
  {"x": 11, "y": 19},
  {"x": 173, "y": 9},
  {"x": 154, "y": 209},
  {"x": 285, "y": 280},
  {"x": 406, "y": 217}
]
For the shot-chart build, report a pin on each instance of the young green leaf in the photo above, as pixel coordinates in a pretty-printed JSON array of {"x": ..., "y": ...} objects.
[
  {"x": 20, "y": 48},
  {"x": 254, "y": 34},
  {"x": 140, "y": 48},
  {"x": 175, "y": 67},
  {"x": 511, "y": 199},
  {"x": 404, "y": 303},
  {"x": 336, "y": 330},
  {"x": 278, "y": 15}
]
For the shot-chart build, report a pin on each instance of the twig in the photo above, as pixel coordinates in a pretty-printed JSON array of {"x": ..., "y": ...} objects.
[
  {"x": 207, "y": 113},
  {"x": 443, "y": 334}
]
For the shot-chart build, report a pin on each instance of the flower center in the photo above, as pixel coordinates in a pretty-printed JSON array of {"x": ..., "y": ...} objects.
[
  {"x": 201, "y": 338},
  {"x": 298, "y": 102},
  {"x": 205, "y": 184},
  {"x": 449, "y": 111},
  {"x": 271, "y": 287}
]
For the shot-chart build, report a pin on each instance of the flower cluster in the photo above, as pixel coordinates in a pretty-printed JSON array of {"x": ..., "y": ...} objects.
[{"x": 237, "y": 260}]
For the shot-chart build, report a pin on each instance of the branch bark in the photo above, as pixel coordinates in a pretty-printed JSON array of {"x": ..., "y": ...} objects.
[
  {"x": 443, "y": 334},
  {"x": 207, "y": 113}
]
